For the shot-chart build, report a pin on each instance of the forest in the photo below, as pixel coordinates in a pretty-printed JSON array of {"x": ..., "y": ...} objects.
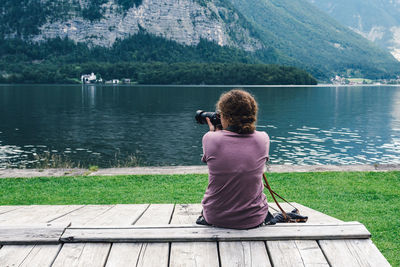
[{"x": 143, "y": 58}]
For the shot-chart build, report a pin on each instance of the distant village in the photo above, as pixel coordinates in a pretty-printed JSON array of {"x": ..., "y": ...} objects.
[
  {"x": 339, "y": 80},
  {"x": 92, "y": 79}
]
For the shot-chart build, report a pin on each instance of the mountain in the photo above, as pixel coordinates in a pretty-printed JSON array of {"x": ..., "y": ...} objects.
[
  {"x": 320, "y": 43},
  {"x": 265, "y": 31},
  {"x": 378, "y": 21},
  {"x": 102, "y": 22}
]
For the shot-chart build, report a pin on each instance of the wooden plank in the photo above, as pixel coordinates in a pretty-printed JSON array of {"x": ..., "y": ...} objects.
[
  {"x": 167, "y": 226},
  {"x": 155, "y": 254},
  {"x": 276, "y": 232},
  {"x": 296, "y": 253},
  {"x": 144, "y": 254},
  {"x": 194, "y": 254},
  {"x": 191, "y": 253},
  {"x": 186, "y": 213},
  {"x": 83, "y": 215},
  {"x": 5, "y": 209},
  {"x": 30, "y": 215},
  {"x": 356, "y": 252},
  {"x": 243, "y": 254},
  {"x": 44, "y": 255},
  {"x": 116, "y": 215},
  {"x": 27, "y": 255},
  {"x": 120, "y": 214},
  {"x": 82, "y": 254},
  {"x": 48, "y": 233},
  {"x": 138, "y": 254},
  {"x": 156, "y": 214},
  {"x": 124, "y": 254},
  {"x": 36, "y": 214},
  {"x": 314, "y": 216},
  {"x": 41, "y": 255},
  {"x": 14, "y": 255}
]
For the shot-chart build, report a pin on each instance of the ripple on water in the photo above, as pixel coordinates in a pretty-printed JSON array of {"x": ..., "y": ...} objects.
[{"x": 311, "y": 145}]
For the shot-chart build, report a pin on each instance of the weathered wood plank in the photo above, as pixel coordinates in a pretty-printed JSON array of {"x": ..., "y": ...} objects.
[
  {"x": 124, "y": 254},
  {"x": 191, "y": 253},
  {"x": 296, "y": 253},
  {"x": 82, "y": 254},
  {"x": 167, "y": 226},
  {"x": 186, "y": 213},
  {"x": 153, "y": 254},
  {"x": 47, "y": 233},
  {"x": 41, "y": 256},
  {"x": 14, "y": 255},
  {"x": 5, "y": 209},
  {"x": 156, "y": 214},
  {"x": 116, "y": 215},
  {"x": 194, "y": 254},
  {"x": 29, "y": 215},
  {"x": 243, "y": 254},
  {"x": 358, "y": 252},
  {"x": 120, "y": 214},
  {"x": 276, "y": 232},
  {"x": 36, "y": 214},
  {"x": 27, "y": 255},
  {"x": 83, "y": 215},
  {"x": 144, "y": 254}
]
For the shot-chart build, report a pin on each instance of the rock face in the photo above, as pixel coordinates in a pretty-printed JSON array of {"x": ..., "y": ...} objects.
[
  {"x": 378, "y": 21},
  {"x": 184, "y": 21}
]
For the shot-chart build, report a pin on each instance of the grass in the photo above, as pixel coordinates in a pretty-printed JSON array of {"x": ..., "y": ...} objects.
[
  {"x": 372, "y": 198},
  {"x": 359, "y": 80},
  {"x": 47, "y": 160}
]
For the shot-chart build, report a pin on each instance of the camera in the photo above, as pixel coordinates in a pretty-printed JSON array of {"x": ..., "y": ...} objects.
[{"x": 214, "y": 117}]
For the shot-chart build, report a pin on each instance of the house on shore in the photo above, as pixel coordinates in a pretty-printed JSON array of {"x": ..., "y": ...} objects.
[{"x": 88, "y": 78}]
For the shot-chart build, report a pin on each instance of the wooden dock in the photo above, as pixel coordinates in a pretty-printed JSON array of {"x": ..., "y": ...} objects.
[{"x": 165, "y": 235}]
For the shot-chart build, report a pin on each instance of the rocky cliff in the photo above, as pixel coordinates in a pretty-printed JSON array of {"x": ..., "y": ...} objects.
[{"x": 184, "y": 21}]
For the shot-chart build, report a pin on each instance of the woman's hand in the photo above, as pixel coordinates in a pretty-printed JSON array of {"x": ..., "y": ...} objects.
[{"x": 212, "y": 127}]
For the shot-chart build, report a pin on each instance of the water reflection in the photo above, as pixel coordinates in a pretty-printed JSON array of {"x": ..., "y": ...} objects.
[{"x": 101, "y": 125}]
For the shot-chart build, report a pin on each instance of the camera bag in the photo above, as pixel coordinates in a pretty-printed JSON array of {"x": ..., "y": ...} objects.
[{"x": 282, "y": 217}]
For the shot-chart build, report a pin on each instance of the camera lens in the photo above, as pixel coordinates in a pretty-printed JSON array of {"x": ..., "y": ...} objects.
[{"x": 201, "y": 116}]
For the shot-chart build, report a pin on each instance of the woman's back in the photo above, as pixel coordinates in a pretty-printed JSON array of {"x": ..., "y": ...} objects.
[{"x": 234, "y": 197}]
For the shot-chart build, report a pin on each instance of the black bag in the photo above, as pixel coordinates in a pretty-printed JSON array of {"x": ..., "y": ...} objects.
[{"x": 282, "y": 217}]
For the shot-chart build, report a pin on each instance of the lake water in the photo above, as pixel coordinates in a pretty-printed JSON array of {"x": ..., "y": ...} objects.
[{"x": 106, "y": 125}]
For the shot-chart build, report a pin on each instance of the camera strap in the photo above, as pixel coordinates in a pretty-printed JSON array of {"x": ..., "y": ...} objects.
[{"x": 273, "y": 194}]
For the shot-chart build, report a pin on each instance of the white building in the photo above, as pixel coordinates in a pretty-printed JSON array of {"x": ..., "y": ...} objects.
[{"x": 88, "y": 78}]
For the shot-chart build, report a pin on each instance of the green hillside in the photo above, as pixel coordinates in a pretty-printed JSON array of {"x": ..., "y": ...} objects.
[
  {"x": 379, "y": 21},
  {"x": 318, "y": 42}
]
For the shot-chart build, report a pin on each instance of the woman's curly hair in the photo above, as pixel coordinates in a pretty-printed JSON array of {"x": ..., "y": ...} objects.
[{"x": 239, "y": 108}]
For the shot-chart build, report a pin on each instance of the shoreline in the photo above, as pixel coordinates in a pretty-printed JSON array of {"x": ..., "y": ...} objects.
[
  {"x": 197, "y": 169},
  {"x": 321, "y": 85}
]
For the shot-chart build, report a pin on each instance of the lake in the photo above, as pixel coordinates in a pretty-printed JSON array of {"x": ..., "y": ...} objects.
[{"x": 154, "y": 125}]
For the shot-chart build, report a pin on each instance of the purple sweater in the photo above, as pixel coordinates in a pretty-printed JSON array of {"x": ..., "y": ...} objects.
[{"x": 234, "y": 197}]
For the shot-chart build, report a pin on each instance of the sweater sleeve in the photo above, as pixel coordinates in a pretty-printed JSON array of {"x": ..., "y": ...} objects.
[
  {"x": 267, "y": 141},
  {"x": 204, "y": 143}
]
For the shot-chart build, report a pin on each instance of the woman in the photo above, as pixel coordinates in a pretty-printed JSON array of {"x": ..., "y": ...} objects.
[{"x": 236, "y": 157}]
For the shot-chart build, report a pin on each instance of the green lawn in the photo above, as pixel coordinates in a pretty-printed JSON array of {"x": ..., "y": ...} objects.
[{"x": 372, "y": 198}]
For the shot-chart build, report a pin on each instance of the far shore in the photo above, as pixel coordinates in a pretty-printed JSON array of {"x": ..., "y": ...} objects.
[
  {"x": 201, "y": 169},
  {"x": 205, "y": 85}
]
